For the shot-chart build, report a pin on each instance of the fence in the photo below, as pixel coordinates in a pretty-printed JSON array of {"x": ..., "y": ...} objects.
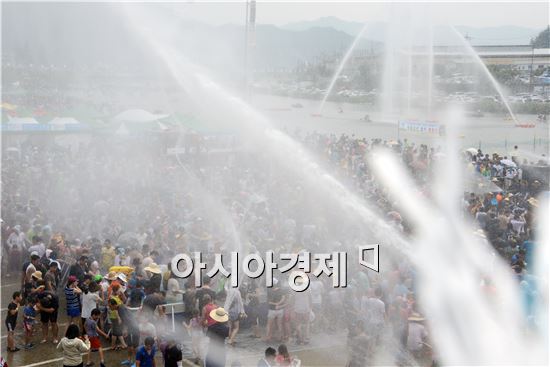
[{"x": 177, "y": 307}]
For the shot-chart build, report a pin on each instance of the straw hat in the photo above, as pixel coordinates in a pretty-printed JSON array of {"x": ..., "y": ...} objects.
[
  {"x": 219, "y": 315},
  {"x": 533, "y": 202},
  {"x": 111, "y": 275},
  {"x": 415, "y": 316},
  {"x": 153, "y": 268},
  {"x": 37, "y": 275}
]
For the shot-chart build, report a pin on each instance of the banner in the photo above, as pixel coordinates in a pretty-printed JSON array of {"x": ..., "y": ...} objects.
[{"x": 422, "y": 127}]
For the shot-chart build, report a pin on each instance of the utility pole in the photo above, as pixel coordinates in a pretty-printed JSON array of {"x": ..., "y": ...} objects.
[
  {"x": 531, "y": 69},
  {"x": 250, "y": 42},
  {"x": 245, "y": 71}
]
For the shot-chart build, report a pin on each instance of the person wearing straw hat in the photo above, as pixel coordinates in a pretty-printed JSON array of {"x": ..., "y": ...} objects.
[
  {"x": 417, "y": 334},
  {"x": 217, "y": 333},
  {"x": 155, "y": 278},
  {"x": 32, "y": 286}
]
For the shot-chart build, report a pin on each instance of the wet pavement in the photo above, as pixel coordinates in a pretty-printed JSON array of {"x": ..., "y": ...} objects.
[{"x": 322, "y": 351}]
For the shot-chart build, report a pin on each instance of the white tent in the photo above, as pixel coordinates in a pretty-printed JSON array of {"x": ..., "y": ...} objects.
[
  {"x": 22, "y": 120},
  {"x": 138, "y": 116},
  {"x": 64, "y": 121}
]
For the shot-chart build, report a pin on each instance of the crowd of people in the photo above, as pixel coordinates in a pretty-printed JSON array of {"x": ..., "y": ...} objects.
[{"x": 91, "y": 233}]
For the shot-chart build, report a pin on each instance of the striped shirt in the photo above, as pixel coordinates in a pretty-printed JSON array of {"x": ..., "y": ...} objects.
[{"x": 73, "y": 302}]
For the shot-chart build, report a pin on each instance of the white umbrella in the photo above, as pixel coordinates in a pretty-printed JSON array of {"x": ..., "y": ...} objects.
[
  {"x": 64, "y": 121},
  {"x": 473, "y": 151},
  {"x": 137, "y": 115},
  {"x": 508, "y": 162}
]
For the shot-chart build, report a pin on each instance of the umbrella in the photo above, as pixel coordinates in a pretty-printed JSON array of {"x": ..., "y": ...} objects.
[
  {"x": 508, "y": 162},
  {"x": 472, "y": 151}
]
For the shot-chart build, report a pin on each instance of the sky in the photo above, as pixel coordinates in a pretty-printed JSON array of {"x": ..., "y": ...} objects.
[{"x": 468, "y": 13}]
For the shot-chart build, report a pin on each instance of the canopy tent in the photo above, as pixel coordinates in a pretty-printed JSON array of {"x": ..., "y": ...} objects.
[
  {"x": 138, "y": 115},
  {"x": 64, "y": 121},
  {"x": 22, "y": 120}
]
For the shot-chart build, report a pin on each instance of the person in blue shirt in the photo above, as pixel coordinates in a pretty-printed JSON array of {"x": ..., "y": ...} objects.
[
  {"x": 145, "y": 356},
  {"x": 29, "y": 314}
]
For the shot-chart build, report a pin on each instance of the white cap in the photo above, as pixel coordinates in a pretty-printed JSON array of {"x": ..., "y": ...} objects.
[{"x": 122, "y": 277}]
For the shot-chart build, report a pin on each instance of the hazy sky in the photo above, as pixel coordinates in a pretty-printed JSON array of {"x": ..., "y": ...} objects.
[{"x": 476, "y": 14}]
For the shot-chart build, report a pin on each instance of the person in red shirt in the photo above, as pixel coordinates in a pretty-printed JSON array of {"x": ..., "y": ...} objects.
[{"x": 206, "y": 309}]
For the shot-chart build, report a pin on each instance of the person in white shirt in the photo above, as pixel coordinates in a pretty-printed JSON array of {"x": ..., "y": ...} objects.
[
  {"x": 90, "y": 300},
  {"x": 173, "y": 291},
  {"x": 37, "y": 246},
  {"x": 269, "y": 359},
  {"x": 374, "y": 310}
]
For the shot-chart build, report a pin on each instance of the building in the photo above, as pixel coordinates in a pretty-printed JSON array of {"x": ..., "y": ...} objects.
[{"x": 521, "y": 57}]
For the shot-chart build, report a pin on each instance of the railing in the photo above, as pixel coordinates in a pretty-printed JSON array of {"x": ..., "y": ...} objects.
[{"x": 173, "y": 306}]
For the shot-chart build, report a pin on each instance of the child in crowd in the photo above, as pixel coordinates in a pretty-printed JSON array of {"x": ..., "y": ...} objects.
[
  {"x": 283, "y": 358},
  {"x": 93, "y": 331},
  {"x": 11, "y": 320},
  {"x": 29, "y": 313},
  {"x": 90, "y": 301},
  {"x": 194, "y": 328},
  {"x": 145, "y": 356},
  {"x": 116, "y": 325}
]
